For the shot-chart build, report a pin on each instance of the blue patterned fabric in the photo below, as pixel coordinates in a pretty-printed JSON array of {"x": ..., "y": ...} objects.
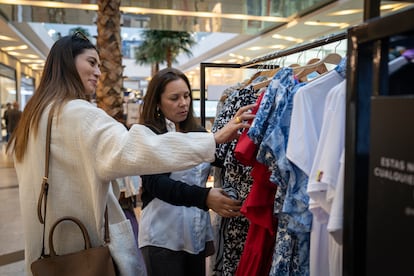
[
  {"x": 291, "y": 254},
  {"x": 259, "y": 125},
  {"x": 270, "y": 131},
  {"x": 286, "y": 260},
  {"x": 273, "y": 148},
  {"x": 341, "y": 68}
]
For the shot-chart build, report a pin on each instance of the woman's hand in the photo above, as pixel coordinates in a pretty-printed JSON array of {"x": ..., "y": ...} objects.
[
  {"x": 222, "y": 204},
  {"x": 230, "y": 131}
]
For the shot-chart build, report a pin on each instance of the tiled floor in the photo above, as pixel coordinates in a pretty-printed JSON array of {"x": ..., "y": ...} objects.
[{"x": 11, "y": 230}]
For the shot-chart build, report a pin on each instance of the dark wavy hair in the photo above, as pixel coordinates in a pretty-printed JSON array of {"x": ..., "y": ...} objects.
[{"x": 151, "y": 116}]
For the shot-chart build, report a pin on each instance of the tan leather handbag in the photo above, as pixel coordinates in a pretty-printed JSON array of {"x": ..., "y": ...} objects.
[
  {"x": 90, "y": 261},
  {"x": 87, "y": 262}
]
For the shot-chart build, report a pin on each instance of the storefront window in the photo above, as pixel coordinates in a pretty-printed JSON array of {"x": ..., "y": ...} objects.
[
  {"x": 26, "y": 90},
  {"x": 7, "y": 92}
]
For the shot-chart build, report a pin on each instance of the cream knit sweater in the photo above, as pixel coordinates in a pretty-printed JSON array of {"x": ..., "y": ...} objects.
[{"x": 88, "y": 149}]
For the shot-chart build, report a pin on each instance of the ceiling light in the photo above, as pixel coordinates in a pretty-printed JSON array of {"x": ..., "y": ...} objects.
[
  {"x": 27, "y": 60},
  {"x": 31, "y": 56},
  {"x": 12, "y": 53},
  {"x": 277, "y": 46},
  {"x": 255, "y": 48},
  {"x": 401, "y": 6},
  {"x": 6, "y": 38},
  {"x": 16, "y": 54},
  {"x": 345, "y": 12},
  {"x": 327, "y": 24},
  {"x": 236, "y": 56},
  {"x": 52, "y": 4},
  {"x": 37, "y": 65},
  {"x": 288, "y": 38},
  {"x": 13, "y": 48},
  {"x": 389, "y": 6},
  {"x": 138, "y": 10}
]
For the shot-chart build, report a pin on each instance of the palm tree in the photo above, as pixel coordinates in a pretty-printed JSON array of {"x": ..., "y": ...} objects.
[
  {"x": 163, "y": 46},
  {"x": 109, "y": 90},
  {"x": 80, "y": 29}
]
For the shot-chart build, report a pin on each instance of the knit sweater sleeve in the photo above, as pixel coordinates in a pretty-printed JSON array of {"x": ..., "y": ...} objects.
[
  {"x": 174, "y": 192},
  {"x": 116, "y": 152}
]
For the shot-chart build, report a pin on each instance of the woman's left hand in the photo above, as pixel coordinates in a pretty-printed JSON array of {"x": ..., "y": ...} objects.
[{"x": 218, "y": 201}]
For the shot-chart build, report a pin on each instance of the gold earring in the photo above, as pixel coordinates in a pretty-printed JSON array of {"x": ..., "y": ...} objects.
[{"x": 158, "y": 112}]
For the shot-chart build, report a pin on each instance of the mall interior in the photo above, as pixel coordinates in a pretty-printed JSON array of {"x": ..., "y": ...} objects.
[{"x": 235, "y": 40}]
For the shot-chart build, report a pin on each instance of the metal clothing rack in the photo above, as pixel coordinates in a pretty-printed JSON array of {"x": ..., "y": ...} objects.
[
  {"x": 258, "y": 63},
  {"x": 203, "y": 67},
  {"x": 296, "y": 49},
  {"x": 371, "y": 10}
]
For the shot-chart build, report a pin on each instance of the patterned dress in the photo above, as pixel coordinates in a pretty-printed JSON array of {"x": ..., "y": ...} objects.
[{"x": 237, "y": 182}]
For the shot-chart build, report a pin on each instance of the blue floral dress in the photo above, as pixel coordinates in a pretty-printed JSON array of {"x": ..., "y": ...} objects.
[{"x": 270, "y": 130}]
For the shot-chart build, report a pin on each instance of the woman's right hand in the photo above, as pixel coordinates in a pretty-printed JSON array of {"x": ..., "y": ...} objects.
[
  {"x": 222, "y": 204},
  {"x": 230, "y": 130}
]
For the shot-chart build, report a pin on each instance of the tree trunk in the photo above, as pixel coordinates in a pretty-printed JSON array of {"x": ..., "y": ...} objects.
[
  {"x": 155, "y": 67},
  {"x": 169, "y": 58},
  {"x": 109, "y": 95}
]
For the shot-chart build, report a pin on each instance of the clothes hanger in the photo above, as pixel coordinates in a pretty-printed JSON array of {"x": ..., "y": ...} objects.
[
  {"x": 317, "y": 65},
  {"x": 252, "y": 78},
  {"x": 269, "y": 74},
  {"x": 331, "y": 58},
  {"x": 297, "y": 64},
  {"x": 262, "y": 84}
]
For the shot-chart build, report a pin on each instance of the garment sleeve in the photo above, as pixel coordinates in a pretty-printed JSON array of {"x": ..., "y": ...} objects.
[
  {"x": 174, "y": 192},
  {"x": 117, "y": 152}
]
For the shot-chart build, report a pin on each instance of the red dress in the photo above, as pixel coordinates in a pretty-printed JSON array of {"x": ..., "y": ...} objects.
[{"x": 256, "y": 258}]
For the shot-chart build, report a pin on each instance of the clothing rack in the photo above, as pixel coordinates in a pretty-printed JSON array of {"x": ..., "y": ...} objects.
[
  {"x": 296, "y": 49},
  {"x": 258, "y": 63},
  {"x": 203, "y": 67},
  {"x": 367, "y": 56},
  {"x": 371, "y": 10}
]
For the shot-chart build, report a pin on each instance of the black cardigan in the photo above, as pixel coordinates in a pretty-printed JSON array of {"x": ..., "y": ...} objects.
[{"x": 178, "y": 193}]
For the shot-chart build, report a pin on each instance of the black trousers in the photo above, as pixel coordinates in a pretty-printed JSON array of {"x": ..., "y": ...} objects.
[{"x": 164, "y": 262}]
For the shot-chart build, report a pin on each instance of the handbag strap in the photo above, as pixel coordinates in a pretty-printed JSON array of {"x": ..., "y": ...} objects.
[{"x": 45, "y": 189}]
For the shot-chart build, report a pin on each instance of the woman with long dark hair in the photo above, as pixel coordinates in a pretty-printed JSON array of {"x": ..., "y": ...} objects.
[{"x": 88, "y": 149}]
